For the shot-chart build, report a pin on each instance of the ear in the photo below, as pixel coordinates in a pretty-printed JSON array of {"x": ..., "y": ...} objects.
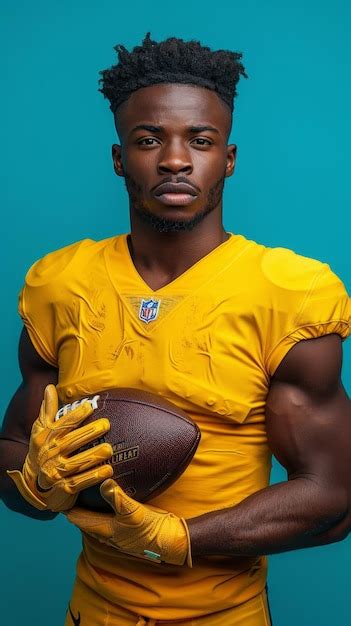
[
  {"x": 231, "y": 159},
  {"x": 117, "y": 159}
]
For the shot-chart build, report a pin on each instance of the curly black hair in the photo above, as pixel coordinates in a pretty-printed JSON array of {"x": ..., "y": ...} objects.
[{"x": 171, "y": 61}]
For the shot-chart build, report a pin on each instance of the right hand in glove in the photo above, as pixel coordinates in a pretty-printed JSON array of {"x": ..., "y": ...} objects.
[{"x": 52, "y": 475}]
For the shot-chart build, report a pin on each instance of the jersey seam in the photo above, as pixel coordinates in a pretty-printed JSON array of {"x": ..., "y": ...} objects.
[
  {"x": 44, "y": 351},
  {"x": 45, "y": 354},
  {"x": 298, "y": 316},
  {"x": 303, "y": 327},
  {"x": 309, "y": 293}
]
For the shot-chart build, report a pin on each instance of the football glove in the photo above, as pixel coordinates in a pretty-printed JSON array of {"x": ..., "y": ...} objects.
[
  {"x": 52, "y": 475},
  {"x": 137, "y": 529}
]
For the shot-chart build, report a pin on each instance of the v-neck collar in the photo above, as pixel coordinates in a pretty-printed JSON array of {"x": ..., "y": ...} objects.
[
  {"x": 188, "y": 279},
  {"x": 136, "y": 293}
]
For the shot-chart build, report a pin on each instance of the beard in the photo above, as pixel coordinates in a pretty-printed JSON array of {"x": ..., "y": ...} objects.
[{"x": 165, "y": 224}]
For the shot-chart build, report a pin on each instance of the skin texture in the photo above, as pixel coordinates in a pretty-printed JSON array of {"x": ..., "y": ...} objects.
[
  {"x": 308, "y": 418},
  {"x": 19, "y": 417},
  {"x": 176, "y": 154},
  {"x": 308, "y": 412}
]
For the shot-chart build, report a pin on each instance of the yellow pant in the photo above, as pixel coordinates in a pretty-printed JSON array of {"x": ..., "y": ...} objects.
[{"x": 87, "y": 608}]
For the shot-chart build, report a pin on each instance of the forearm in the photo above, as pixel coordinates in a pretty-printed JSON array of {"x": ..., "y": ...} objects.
[
  {"x": 286, "y": 516},
  {"x": 12, "y": 455}
]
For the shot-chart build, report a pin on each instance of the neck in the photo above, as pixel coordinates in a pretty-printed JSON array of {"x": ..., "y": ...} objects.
[
  {"x": 170, "y": 254},
  {"x": 173, "y": 251}
]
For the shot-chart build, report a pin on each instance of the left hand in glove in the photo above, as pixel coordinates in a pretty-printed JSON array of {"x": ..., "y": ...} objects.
[{"x": 136, "y": 529}]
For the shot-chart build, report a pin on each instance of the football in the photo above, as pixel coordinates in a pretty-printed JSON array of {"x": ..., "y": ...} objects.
[{"x": 153, "y": 442}]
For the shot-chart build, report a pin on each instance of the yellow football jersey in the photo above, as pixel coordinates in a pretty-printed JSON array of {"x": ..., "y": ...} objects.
[{"x": 209, "y": 341}]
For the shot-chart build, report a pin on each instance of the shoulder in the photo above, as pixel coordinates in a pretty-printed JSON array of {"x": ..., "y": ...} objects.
[
  {"x": 290, "y": 297},
  {"x": 46, "y": 299},
  {"x": 280, "y": 266},
  {"x": 73, "y": 257},
  {"x": 308, "y": 282},
  {"x": 285, "y": 268},
  {"x": 307, "y": 286},
  {"x": 304, "y": 299},
  {"x": 283, "y": 271}
]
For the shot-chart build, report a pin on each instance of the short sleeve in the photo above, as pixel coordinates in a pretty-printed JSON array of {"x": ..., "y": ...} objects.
[
  {"x": 319, "y": 305},
  {"x": 42, "y": 288},
  {"x": 32, "y": 304}
]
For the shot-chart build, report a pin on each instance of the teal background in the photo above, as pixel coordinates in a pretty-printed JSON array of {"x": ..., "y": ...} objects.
[{"x": 291, "y": 188}]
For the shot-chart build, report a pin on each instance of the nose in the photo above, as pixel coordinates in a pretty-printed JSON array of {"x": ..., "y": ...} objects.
[{"x": 175, "y": 158}]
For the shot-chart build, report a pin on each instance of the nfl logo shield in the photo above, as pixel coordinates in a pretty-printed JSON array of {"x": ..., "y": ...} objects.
[{"x": 149, "y": 310}]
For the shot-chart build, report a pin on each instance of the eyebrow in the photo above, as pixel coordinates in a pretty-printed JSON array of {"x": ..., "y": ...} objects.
[
  {"x": 200, "y": 129},
  {"x": 160, "y": 129}
]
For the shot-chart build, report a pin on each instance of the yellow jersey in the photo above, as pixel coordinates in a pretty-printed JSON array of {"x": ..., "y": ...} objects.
[{"x": 209, "y": 341}]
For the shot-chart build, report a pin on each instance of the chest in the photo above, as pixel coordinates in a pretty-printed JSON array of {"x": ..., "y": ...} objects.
[{"x": 200, "y": 350}]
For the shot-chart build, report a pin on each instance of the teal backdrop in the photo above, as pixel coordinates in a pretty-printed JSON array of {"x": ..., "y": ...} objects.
[{"x": 291, "y": 188}]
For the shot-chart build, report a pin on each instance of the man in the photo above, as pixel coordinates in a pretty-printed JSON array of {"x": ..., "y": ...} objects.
[{"x": 245, "y": 338}]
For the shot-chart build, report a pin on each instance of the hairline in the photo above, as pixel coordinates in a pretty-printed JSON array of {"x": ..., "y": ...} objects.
[{"x": 124, "y": 103}]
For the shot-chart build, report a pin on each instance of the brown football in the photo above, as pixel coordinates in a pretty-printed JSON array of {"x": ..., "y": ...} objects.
[{"x": 152, "y": 439}]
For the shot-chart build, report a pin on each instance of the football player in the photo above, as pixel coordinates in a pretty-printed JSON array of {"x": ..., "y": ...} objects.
[{"x": 245, "y": 338}]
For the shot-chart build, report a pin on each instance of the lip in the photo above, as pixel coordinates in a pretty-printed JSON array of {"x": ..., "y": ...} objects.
[
  {"x": 174, "y": 188},
  {"x": 176, "y": 199}
]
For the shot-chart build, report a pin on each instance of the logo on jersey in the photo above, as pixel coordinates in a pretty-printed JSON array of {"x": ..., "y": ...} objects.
[{"x": 149, "y": 309}]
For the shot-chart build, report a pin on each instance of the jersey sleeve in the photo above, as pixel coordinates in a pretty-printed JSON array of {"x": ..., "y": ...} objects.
[
  {"x": 44, "y": 285},
  {"x": 309, "y": 301}
]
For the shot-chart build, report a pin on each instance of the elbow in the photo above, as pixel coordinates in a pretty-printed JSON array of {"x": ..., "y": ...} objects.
[
  {"x": 342, "y": 526},
  {"x": 342, "y": 523},
  {"x": 334, "y": 523},
  {"x": 338, "y": 532}
]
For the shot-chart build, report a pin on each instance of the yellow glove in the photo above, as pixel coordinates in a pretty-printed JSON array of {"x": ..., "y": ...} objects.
[
  {"x": 136, "y": 529},
  {"x": 51, "y": 478}
]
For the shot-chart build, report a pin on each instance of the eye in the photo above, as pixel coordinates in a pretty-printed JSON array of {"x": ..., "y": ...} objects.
[
  {"x": 148, "y": 140},
  {"x": 203, "y": 141}
]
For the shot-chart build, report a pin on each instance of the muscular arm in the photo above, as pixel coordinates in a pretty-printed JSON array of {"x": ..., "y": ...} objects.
[
  {"x": 20, "y": 415},
  {"x": 308, "y": 417}
]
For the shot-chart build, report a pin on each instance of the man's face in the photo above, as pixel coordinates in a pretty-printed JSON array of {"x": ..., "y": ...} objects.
[{"x": 174, "y": 133}]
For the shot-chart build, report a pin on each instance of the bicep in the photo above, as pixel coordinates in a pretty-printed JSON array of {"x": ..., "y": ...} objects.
[
  {"x": 24, "y": 406},
  {"x": 308, "y": 414}
]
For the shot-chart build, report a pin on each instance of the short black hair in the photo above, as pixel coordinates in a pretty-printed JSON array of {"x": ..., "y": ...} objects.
[{"x": 171, "y": 61}]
